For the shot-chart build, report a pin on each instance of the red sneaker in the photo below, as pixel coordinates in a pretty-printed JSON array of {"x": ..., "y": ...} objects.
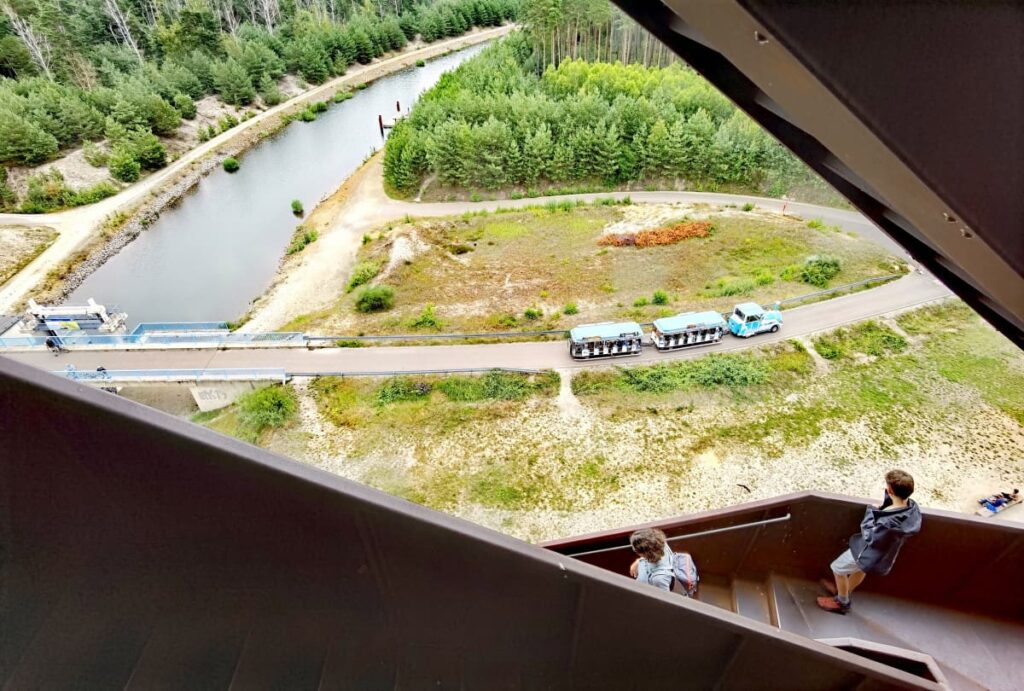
[
  {"x": 828, "y": 586},
  {"x": 832, "y": 604}
]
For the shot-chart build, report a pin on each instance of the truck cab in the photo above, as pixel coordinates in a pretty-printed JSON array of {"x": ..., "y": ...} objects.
[{"x": 750, "y": 319}]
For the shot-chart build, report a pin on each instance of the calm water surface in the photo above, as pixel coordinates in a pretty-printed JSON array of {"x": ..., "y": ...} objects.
[{"x": 218, "y": 249}]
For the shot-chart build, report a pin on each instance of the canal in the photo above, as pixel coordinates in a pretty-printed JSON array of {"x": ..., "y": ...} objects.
[{"x": 209, "y": 256}]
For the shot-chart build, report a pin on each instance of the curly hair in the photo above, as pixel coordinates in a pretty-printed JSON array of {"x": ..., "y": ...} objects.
[{"x": 649, "y": 543}]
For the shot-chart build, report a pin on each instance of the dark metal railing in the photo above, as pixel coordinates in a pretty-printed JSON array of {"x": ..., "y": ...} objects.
[{"x": 712, "y": 531}]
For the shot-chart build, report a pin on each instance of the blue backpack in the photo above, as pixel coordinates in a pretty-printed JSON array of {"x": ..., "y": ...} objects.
[{"x": 685, "y": 571}]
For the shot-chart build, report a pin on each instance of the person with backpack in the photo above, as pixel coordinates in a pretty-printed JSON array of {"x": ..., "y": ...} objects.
[{"x": 658, "y": 565}]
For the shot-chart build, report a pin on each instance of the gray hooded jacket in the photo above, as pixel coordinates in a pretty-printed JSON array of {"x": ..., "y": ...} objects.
[{"x": 882, "y": 534}]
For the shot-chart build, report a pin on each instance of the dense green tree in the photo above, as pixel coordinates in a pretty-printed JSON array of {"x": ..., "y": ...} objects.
[
  {"x": 185, "y": 106},
  {"x": 74, "y": 73},
  {"x": 197, "y": 27},
  {"x": 22, "y": 141},
  {"x": 698, "y": 136},
  {"x": 658, "y": 159},
  {"x": 233, "y": 83},
  {"x": 122, "y": 164},
  {"x": 259, "y": 61},
  {"x": 537, "y": 155},
  {"x": 147, "y": 149},
  {"x": 183, "y": 80},
  {"x": 310, "y": 59}
]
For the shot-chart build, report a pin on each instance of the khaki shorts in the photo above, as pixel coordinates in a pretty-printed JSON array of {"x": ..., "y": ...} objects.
[{"x": 845, "y": 564}]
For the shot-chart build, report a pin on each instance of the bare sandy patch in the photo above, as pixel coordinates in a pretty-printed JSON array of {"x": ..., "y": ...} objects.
[
  {"x": 21, "y": 244},
  {"x": 78, "y": 173}
]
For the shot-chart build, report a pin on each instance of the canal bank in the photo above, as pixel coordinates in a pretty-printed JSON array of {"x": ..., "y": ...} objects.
[{"x": 90, "y": 235}]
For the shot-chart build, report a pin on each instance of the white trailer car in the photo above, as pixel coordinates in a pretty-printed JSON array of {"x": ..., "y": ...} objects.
[
  {"x": 688, "y": 329},
  {"x": 607, "y": 339}
]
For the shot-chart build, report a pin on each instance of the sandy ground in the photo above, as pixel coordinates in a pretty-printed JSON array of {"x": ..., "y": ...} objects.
[
  {"x": 78, "y": 173},
  {"x": 209, "y": 111},
  {"x": 20, "y": 244},
  {"x": 313, "y": 279},
  {"x": 78, "y": 226}
]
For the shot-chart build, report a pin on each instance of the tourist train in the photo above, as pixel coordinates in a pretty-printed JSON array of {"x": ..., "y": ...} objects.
[{"x": 612, "y": 339}]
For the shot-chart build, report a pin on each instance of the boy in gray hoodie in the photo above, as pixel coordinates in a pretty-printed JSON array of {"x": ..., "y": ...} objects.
[{"x": 873, "y": 550}]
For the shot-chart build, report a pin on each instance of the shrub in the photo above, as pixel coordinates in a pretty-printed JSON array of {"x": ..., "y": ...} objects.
[
  {"x": 270, "y": 94},
  {"x": 226, "y": 123},
  {"x": 816, "y": 224},
  {"x": 748, "y": 207},
  {"x": 123, "y": 166},
  {"x": 660, "y": 297},
  {"x": 640, "y": 302},
  {"x": 231, "y": 164},
  {"x": 498, "y": 385},
  {"x": 764, "y": 277},
  {"x": 46, "y": 192},
  {"x": 94, "y": 155},
  {"x": 570, "y": 308},
  {"x": 421, "y": 63},
  {"x": 505, "y": 321},
  {"x": 427, "y": 320},
  {"x": 364, "y": 272},
  {"x": 297, "y": 208},
  {"x": 791, "y": 272},
  {"x": 91, "y": 195},
  {"x": 728, "y": 287},
  {"x": 667, "y": 235},
  {"x": 399, "y": 389},
  {"x": 375, "y": 299},
  {"x": 818, "y": 271},
  {"x": 710, "y": 371},
  {"x": 272, "y": 406},
  {"x": 319, "y": 106},
  {"x": 341, "y": 96},
  {"x": 829, "y": 348},
  {"x": 302, "y": 237},
  {"x": 533, "y": 313},
  {"x": 184, "y": 104}
]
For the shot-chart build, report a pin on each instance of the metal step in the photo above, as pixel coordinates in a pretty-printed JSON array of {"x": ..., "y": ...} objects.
[
  {"x": 750, "y": 598},
  {"x": 716, "y": 593}
]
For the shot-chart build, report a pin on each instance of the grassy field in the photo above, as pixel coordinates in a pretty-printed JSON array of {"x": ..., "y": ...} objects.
[
  {"x": 936, "y": 391},
  {"x": 19, "y": 245},
  {"x": 543, "y": 269}
]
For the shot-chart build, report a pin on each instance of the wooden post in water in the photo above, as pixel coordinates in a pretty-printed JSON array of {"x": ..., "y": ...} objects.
[
  {"x": 380, "y": 123},
  {"x": 398, "y": 107}
]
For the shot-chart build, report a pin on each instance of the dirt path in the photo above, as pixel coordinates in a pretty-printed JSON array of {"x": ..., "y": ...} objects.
[{"x": 78, "y": 226}]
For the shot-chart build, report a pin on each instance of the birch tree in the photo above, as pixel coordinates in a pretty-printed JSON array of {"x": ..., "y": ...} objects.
[
  {"x": 36, "y": 44},
  {"x": 120, "y": 21}
]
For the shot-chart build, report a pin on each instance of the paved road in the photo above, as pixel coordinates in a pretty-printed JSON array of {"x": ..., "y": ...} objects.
[{"x": 912, "y": 290}]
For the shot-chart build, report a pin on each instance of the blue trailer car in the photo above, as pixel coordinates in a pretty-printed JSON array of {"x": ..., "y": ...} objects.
[
  {"x": 750, "y": 319},
  {"x": 607, "y": 339},
  {"x": 689, "y": 329}
]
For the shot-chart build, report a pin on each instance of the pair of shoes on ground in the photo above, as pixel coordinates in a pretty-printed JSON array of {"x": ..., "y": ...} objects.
[{"x": 831, "y": 603}]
